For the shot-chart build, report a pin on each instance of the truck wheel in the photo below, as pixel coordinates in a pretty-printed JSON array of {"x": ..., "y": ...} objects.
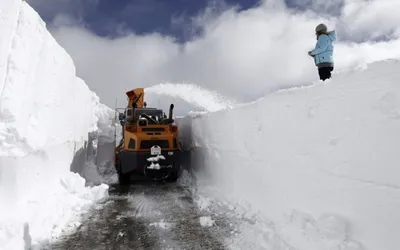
[
  {"x": 123, "y": 179},
  {"x": 174, "y": 176}
]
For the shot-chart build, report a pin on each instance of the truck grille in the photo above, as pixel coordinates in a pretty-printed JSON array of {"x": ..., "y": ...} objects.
[
  {"x": 147, "y": 144},
  {"x": 153, "y": 129}
]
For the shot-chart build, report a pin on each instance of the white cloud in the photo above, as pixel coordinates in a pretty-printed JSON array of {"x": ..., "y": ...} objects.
[
  {"x": 240, "y": 55},
  {"x": 332, "y": 7},
  {"x": 372, "y": 19}
]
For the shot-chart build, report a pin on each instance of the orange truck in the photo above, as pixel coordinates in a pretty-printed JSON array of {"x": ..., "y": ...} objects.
[{"x": 149, "y": 146}]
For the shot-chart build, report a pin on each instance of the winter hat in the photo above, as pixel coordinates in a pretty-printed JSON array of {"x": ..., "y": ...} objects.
[{"x": 321, "y": 28}]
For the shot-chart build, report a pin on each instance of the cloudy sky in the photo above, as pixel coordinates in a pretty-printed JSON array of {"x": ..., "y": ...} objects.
[{"x": 242, "y": 49}]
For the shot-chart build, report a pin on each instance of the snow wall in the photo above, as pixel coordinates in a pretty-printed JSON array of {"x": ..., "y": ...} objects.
[
  {"x": 320, "y": 162},
  {"x": 46, "y": 117}
]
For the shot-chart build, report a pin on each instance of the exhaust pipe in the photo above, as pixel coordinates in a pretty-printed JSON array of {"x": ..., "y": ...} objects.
[{"x": 171, "y": 107}]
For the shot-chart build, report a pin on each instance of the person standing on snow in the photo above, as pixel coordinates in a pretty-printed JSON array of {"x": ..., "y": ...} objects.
[{"x": 323, "y": 52}]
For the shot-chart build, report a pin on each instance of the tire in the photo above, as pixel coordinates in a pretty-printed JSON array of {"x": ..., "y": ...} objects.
[
  {"x": 123, "y": 179},
  {"x": 174, "y": 176}
]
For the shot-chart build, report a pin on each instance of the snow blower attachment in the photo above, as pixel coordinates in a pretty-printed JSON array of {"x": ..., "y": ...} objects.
[{"x": 149, "y": 146}]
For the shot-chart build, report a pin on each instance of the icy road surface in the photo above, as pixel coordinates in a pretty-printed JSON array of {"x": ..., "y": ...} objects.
[{"x": 149, "y": 216}]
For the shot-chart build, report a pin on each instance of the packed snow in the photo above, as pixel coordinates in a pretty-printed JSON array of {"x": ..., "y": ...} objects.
[
  {"x": 155, "y": 166},
  {"x": 320, "y": 163},
  {"x": 156, "y": 158},
  {"x": 47, "y": 115}
]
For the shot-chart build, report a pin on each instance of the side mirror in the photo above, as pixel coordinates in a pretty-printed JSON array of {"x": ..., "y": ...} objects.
[{"x": 121, "y": 116}]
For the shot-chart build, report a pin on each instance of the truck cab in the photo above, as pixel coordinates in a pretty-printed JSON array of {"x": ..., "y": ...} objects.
[{"x": 149, "y": 146}]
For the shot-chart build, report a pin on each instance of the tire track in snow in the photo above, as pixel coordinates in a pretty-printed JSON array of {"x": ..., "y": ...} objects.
[{"x": 171, "y": 212}]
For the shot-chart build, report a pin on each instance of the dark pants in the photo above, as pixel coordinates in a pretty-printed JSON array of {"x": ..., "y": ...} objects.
[{"x": 325, "y": 73}]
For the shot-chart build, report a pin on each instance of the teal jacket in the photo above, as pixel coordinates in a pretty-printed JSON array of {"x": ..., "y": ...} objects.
[{"x": 323, "y": 52}]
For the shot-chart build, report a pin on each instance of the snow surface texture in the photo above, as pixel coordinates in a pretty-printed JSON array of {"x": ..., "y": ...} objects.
[
  {"x": 319, "y": 162},
  {"x": 46, "y": 115}
]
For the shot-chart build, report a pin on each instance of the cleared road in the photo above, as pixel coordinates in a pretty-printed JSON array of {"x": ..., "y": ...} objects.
[{"x": 148, "y": 216}]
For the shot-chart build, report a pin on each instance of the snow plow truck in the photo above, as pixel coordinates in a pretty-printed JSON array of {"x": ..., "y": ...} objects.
[{"x": 149, "y": 145}]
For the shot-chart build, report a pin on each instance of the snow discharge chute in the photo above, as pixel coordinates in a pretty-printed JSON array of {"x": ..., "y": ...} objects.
[{"x": 136, "y": 98}]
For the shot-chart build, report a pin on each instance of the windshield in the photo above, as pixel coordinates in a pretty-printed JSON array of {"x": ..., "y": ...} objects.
[{"x": 156, "y": 114}]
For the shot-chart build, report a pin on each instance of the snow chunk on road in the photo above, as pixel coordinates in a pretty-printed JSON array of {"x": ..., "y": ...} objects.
[
  {"x": 203, "y": 202},
  {"x": 161, "y": 224},
  {"x": 206, "y": 221}
]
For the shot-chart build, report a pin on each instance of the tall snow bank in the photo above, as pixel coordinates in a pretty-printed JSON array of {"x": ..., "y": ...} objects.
[
  {"x": 46, "y": 114},
  {"x": 320, "y": 162}
]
